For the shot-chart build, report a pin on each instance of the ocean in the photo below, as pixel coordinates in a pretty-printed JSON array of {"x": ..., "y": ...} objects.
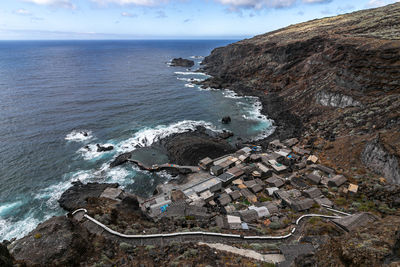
[{"x": 122, "y": 93}]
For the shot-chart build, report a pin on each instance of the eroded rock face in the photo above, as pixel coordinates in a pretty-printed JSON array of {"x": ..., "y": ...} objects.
[
  {"x": 335, "y": 100},
  {"x": 379, "y": 160},
  {"x": 76, "y": 196},
  {"x": 56, "y": 242}
]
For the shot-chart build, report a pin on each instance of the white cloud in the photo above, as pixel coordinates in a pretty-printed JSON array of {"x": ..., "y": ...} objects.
[
  {"x": 316, "y": 1},
  {"x": 129, "y": 15},
  {"x": 23, "y": 12},
  {"x": 257, "y": 4},
  {"x": 130, "y": 2},
  {"x": 56, "y": 3}
]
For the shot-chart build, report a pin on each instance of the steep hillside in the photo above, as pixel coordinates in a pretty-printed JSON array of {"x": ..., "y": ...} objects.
[{"x": 336, "y": 79}]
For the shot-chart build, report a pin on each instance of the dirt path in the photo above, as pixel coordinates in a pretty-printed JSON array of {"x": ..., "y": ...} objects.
[{"x": 271, "y": 258}]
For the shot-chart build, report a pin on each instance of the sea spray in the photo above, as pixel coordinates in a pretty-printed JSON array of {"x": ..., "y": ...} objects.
[
  {"x": 147, "y": 136},
  {"x": 79, "y": 136}
]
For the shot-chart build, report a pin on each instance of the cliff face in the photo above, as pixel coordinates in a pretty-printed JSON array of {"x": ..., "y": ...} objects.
[{"x": 339, "y": 76}]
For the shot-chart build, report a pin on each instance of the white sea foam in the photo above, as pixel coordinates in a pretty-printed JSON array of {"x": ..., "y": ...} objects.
[
  {"x": 190, "y": 73},
  {"x": 10, "y": 229},
  {"x": 196, "y": 57},
  {"x": 148, "y": 136},
  {"x": 91, "y": 153},
  {"x": 165, "y": 175},
  {"x": 208, "y": 89},
  {"x": 7, "y": 207},
  {"x": 231, "y": 94},
  {"x": 118, "y": 175},
  {"x": 54, "y": 192},
  {"x": 190, "y": 85},
  {"x": 254, "y": 113},
  {"x": 79, "y": 136},
  {"x": 17, "y": 229},
  {"x": 190, "y": 79}
]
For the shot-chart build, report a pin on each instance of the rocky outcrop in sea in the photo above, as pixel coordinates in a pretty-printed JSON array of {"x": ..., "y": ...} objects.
[{"x": 181, "y": 62}]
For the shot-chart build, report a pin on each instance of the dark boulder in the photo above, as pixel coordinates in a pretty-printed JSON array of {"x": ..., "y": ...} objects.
[
  {"x": 76, "y": 196},
  {"x": 56, "y": 242},
  {"x": 190, "y": 147},
  {"x": 225, "y": 134},
  {"x": 121, "y": 159},
  {"x": 6, "y": 259},
  {"x": 181, "y": 62},
  {"x": 226, "y": 120},
  {"x": 104, "y": 148}
]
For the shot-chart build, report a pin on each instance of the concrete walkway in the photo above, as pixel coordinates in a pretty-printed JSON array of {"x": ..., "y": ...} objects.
[{"x": 248, "y": 253}]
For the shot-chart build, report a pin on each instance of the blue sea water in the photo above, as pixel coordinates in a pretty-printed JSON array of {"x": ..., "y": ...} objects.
[{"x": 122, "y": 93}]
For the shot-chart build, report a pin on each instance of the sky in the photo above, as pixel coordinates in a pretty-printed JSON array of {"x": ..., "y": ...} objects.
[{"x": 162, "y": 19}]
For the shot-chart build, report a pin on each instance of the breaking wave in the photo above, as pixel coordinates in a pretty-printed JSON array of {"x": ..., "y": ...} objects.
[
  {"x": 79, "y": 136},
  {"x": 231, "y": 94},
  {"x": 10, "y": 229},
  {"x": 148, "y": 136},
  {"x": 190, "y": 79},
  {"x": 89, "y": 152},
  {"x": 190, "y": 73}
]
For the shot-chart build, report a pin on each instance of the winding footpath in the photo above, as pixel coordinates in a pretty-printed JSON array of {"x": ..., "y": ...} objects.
[
  {"x": 160, "y": 239},
  {"x": 217, "y": 241}
]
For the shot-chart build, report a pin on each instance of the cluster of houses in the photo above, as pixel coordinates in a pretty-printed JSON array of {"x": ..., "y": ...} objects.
[{"x": 251, "y": 187}]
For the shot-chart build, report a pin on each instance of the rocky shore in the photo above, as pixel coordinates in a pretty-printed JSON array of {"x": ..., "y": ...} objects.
[{"x": 332, "y": 88}]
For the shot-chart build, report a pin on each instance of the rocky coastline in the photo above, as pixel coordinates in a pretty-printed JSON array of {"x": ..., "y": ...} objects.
[{"x": 331, "y": 86}]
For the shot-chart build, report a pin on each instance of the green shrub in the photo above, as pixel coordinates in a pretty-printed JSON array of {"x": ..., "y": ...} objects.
[
  {"x": 125, "y": 246},
  {"x": 267, "y": 264},
  {"x": 149, "y": 247},
  {"x": 214, "y": 229},
  {"x": 246, "y": 202},
  {"x": 314, "y": 220},
  {"x": 38, "y": 236},
  {"x": 271, "y": 246},
  {"x": 385, "y": 209},
  {"x": 366, "y": 206},
  {"x": 130, "y": 232},
  {"x": 264, "y": 199},
  {"x": 340, "y": 201},
  {"x": 190, "y": 253},
  {"x": 174, "y": 263},
  {"x": 256, "y": 246},
  {"x": 275, "y": 225}
]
